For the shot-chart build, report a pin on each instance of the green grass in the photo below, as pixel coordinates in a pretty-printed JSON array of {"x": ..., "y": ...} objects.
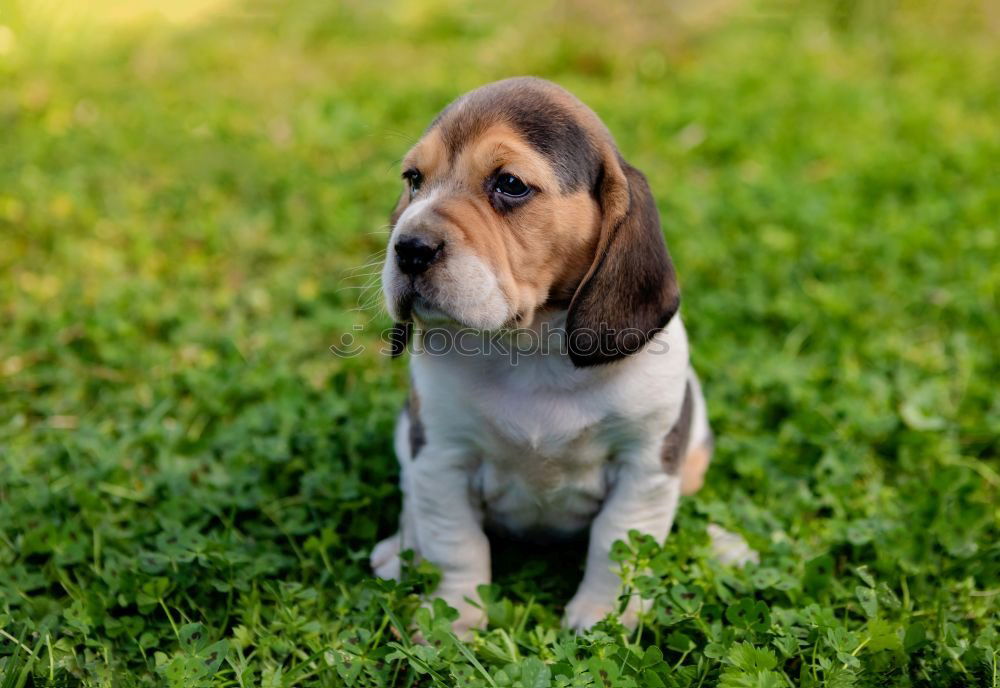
[{"x": 190, "y": 481}]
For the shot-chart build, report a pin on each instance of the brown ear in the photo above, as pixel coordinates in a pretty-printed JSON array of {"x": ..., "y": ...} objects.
[{"x": 630, "y": 292}]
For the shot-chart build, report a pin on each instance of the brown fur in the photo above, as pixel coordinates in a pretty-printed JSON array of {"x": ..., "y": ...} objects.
[{"x": 695, "y": 466}]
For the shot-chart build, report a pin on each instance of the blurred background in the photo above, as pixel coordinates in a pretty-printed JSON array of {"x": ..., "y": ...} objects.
[
  {"x": 193, "y": 204},
  {"x": 182, "y": 172}
]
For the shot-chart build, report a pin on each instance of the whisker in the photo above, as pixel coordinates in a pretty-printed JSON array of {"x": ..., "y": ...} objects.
[
  {"x": 372, "y": 259},
  {"x": 370, "y": 278},
  {"x": 355, "y": 271},
  {"x": 376, "y": 271}
]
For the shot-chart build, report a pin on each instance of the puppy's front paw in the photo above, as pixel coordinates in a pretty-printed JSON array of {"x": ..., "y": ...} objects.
[
  {"x": 470, "y": 618},
  {"x": 585, "y": 610},
  {"x": 582, "y": 612},
  {"x": 730, "y": 548},
  {"x": 385, "y": 558}
]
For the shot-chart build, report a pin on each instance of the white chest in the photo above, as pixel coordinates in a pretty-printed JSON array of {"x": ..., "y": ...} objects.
[
  {"x": 542, "y": 437},
  {"x": 545, "y": 464}
]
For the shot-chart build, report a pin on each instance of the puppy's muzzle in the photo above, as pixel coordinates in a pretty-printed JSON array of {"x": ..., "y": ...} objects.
[{"x": 414, "y": 255}]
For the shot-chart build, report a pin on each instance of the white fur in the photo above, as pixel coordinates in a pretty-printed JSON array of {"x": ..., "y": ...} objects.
[
  {"x": 460, "y": 288},
  {"x": 539, "y": 445}
]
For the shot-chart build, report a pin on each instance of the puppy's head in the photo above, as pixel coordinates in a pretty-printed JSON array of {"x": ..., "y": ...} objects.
[{"x": 516, "y": 199}]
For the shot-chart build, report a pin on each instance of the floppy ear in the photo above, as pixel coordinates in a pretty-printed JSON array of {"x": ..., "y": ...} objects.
[
  {"x": 630, "y": 292},
  {"x": 399, "y": 335}
]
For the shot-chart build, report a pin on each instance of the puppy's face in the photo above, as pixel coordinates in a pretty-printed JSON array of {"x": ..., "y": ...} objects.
[
  {"x": 511, "y": 199},
  {"x": 487, "y": 229}
]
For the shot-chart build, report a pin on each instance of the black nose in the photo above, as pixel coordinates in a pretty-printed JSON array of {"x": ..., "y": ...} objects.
[{"x": 414, "y": 256}]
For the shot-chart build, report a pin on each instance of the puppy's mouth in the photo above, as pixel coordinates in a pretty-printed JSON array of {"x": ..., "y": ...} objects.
[
  {"x": 430, "y": 301},
  {"x": 412, "y": 304},
  {"x": 415, "y": 306},
  {"x": 428, "y": 313}
]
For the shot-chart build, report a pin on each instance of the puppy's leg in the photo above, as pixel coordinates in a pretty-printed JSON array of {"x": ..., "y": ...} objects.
[
  {"x": 439, "y": 523},
  {"x": 384, "y": 558},
  {"x": 644, "y": 498},
  {"x": 449, "y": 531}
]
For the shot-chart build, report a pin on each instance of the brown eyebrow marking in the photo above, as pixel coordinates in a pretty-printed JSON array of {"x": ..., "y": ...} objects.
[
  {"x": 426, "y": 155},
  {"x": 502, "y": 154},
  {"x": 546, "y": 125}
]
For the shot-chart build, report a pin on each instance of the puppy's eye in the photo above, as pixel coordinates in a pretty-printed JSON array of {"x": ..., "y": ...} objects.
[
  {"x": 509, "y": 185},
  {"x": 414, "y": 179}
]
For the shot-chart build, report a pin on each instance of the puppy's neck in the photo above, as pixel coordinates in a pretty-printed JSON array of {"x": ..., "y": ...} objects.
[
  {"x": 543, "y": 334},
  {"x": 533, "y": 358}
]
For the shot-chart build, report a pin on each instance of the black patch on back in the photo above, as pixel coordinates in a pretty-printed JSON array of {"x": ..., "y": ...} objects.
[
  {"x": 675, "y": 446},
  {"x": 528, "y": 109},
  {"x": 417, "y": 437}
]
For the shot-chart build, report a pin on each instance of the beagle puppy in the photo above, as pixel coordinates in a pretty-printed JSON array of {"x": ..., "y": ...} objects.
[{"x": 557, "y": 395}]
